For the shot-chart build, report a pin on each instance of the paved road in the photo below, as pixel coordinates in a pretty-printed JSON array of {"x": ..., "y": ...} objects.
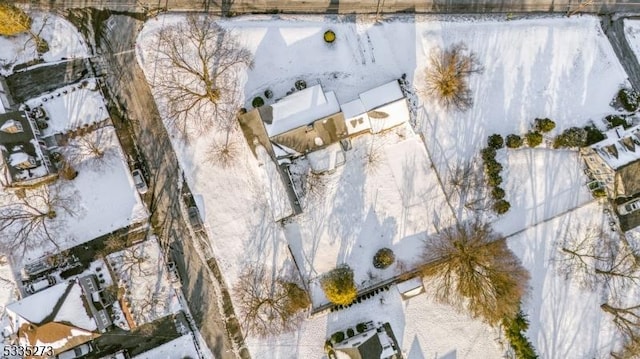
[
  {"x": 615, "y": 33},
  {"x": 347, "y": 6},
  {"x": 129, "y": 88}
]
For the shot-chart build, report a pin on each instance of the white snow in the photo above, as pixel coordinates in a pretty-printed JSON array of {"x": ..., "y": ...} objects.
[
  {"x": 73, "y": 310},
  {"x": 276, "y": 192},
  {"x": 62, "y": 37},
  {"x": 302, "y": 108},
  {"x": 35, "y": 308},
  {"x": 381, "y": 95},
  {"x": 142, "y": 272},
  {"x": 79, "y": 106},
  {"x": 179, "y": 348},
  {"x": 561, "y": 68}
]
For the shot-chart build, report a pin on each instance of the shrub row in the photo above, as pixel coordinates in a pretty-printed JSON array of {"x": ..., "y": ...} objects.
[
  {"x": 578, "y": 137},
  {"x": 492, "y": 169},
  {"x": 514, "y": 331}
]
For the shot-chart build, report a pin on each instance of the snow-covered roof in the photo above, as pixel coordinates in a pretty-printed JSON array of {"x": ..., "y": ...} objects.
[
  {"x": 355, "y": 116},
  {"x": 56, "y": 316},
  {"x": 301, "y": 108},
  {"x": 11, "y": 123},
  {"x": 381, "y": 95},
  {"x": 182, "y": 347},
  {"x": 620, "y": 147},
  {"x": 18, "y": 158}
]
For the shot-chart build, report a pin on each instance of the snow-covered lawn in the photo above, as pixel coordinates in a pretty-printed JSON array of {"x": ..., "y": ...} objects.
[
  {"x": 63, "y": 39},
  {"x": 632, "y": 33},
  {"x": 72, "y": 107},
  {"x": 423, "y": 328},
  {"x": 142, "y": 272},
  {"x": 540, "y": 183},
  {"x": 565, "y": 320},
  {"x": 559, "y": 68},
  {"x": 385, "y": 195}
]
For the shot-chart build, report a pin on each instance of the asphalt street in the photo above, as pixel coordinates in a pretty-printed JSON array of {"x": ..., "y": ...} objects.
[{"x": 130, "y": 91}]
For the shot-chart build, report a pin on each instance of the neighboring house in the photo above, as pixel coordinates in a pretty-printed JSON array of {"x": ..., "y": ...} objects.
[
  {"x": 63, "y": 316},
  {"x": 24, "y": 153},
  {"x": 375, "y": 343},
  {"x": 312, "y": 119},
  {"x": 614, "y": 166}
]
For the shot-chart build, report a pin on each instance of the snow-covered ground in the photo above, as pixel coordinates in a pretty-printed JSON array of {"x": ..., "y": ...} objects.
[
  {"x": 104, "y": 199},
  {"x": 385, "y": 195},
  {"x": 559, "y": 68},
  {"x": 182, "y": 347},
  {"x": 632, "y": 33},
  {"x": 142, "y": 272},
  {"x": 72, "y": 107},
  {"x": 63, "y": 39}
]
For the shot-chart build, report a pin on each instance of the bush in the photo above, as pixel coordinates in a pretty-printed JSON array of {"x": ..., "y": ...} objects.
[
  {"x": 533, "y": 138},
  {"x": 616, "y": 120},
  {"x": 593, "y": 135},
  {"x": 514, "y": 331},
  {"x": 13, "y": 20},
  {"x": 361, "y": 327},
  {"x": 494, "y": 180},
  {"x": 297, "y": 298},
  {"x": 301, "y": 85},
  {"x": 572, "y": 137},
  {"x": 383, "y": 258},
  {"x": 514, "y": 141},
  {"x": 497, "y": 193},
  {"x": 495, "y": 141},
  {"x": 339, "y": 287},
  {"x": 329, "y": 36},
  {"x": 447, "y": 77},
  {"x": 544, "y": 125},
  {"x": 337, "y": 337},
  {"x": 493, "y": 167},
  {"x": 268, "y": 93},
  {"x": 629, "y": 99},
  {"x": 350, "y": 333},
  {"x": 257, "y": 102},
  {"x": 501, "y": 206},
  {"x": 599, "y": 193},
  {"x": 488, "y": 153}
]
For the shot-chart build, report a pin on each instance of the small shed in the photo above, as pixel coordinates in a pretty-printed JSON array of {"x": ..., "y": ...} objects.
[{"x": 410, "y": 288}]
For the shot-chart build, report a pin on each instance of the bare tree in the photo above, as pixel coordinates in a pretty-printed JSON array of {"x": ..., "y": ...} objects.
[
  {"x": 95, "y": 149},
  {"x": 465, "y": 180},
  {"x": 148, "y": 307},
  {"x": 447, "y": 77},
  {"x": 198, "y": 61},
  {"x": 135, "y": 258},
  {"x": 627, "y": 321},
  {"x": 594, "y": 257},
  {"x": 269, "y": 305},
  {"x": 469, "y": 265},
  {"x": 29, "y": 220}
]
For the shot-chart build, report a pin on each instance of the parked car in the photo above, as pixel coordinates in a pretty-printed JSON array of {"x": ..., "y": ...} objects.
[
  {"x": 76, "y": 352},
  {"x": 138, "y": 179},
  {"x": 629, "y": 207},
  {"x": 194, "y": 219},
  {"x": 40, "y": 284}
]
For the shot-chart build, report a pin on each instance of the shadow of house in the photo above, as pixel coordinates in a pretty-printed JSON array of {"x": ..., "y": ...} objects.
[
  {"x": 26, "y": 160},
  {"x": 613, "y": 165}
]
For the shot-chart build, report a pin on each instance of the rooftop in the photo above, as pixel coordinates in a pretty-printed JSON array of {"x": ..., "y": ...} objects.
[{"x": 620, "y": 147}]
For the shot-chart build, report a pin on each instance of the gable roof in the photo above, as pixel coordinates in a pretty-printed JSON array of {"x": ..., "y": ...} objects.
[
  {"x": 370, "y": 348},
  {"x": 56, "y": 316}
]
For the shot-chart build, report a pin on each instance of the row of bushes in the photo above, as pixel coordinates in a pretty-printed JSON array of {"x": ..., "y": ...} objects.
[
  {"x": 492, "y": 169},
  {"x": 514, "y": 330},
  {"x": 578, "y": 137}
]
